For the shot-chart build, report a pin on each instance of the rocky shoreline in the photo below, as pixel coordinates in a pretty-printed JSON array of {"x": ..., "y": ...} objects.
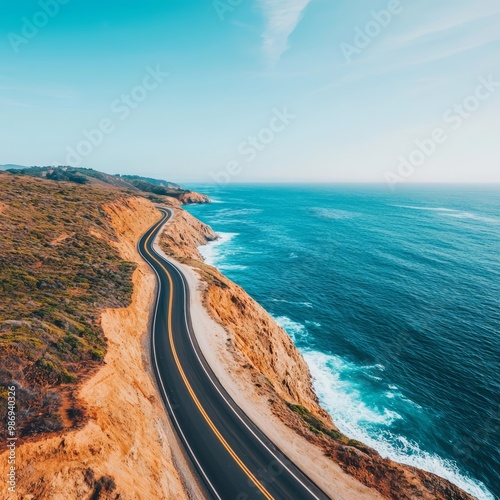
[{"x": 260, "y": 354}]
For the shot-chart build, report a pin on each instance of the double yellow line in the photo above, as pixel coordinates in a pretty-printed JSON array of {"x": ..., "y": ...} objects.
[{"x": 245, "y": 469}]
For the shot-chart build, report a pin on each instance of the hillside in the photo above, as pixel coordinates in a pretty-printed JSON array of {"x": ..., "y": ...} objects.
[
  {"x": 154, "y": 189},
  {"x": 11, "y": 166},
  {"x": 157, "y": 182},
  {"x": 73, "y": 330},
  {"x": 56, "y": 276}
]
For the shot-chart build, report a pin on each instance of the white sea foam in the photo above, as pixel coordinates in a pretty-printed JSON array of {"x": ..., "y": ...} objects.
[
  {"x": 472, "y": 216},
  {"x": 212, "y": 252},
  {"x": 371, "y": 424},
  {"x": 305, "y": 304},
  {"x": 341, "y": 396},
  {"x": 232, "y": 267},
  {"x": 297, "y": 331},
  {"x": 313, "y": 323},
  {"x": 430, "y": 209}
]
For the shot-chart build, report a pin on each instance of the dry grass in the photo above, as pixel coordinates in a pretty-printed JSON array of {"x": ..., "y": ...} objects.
[{"x": 56, "y": 275}]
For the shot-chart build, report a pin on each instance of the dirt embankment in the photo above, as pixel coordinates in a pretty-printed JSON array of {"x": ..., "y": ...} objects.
[
  {"x": 268, "y": 377},
  {"x": 184, "y": 235},
  {"x": 123, "y": 450}
]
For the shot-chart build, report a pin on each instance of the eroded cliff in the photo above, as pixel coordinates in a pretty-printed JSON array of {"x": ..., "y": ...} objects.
[{"x": 192, "y": 197}]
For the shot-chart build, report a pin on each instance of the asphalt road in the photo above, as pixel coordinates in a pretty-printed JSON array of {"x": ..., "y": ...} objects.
[{"x": 232, "y": 457}]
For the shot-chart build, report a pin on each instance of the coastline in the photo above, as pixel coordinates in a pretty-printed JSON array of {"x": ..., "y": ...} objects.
[
  {"x": 240, "y": 384},
  {"x": 349, "y": 468}
]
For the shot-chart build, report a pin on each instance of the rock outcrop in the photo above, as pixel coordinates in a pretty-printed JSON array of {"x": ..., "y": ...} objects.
[
  {"x": 184, "y": 235},
  {"x": 192, "y": 198}
]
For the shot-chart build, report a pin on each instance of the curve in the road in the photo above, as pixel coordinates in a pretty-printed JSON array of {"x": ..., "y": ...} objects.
[{"x": 233, "y": 457}]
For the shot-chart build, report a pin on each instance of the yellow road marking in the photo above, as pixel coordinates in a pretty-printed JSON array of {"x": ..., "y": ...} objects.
[{"x": 186, "y": 382}]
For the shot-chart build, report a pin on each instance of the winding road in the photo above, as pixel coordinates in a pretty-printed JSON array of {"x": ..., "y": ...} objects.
[{"x": 233, "y": 458}]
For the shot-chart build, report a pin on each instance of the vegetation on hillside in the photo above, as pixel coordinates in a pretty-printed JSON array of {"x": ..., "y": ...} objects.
[
  {"x": 80, "y": 175},
  {"x": 157, "y": 182},
  {"x": 156, "y": 189},
  {"x": 56, "y": 275}
]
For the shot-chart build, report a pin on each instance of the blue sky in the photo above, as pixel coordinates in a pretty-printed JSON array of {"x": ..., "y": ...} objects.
[{"x": 355, "y": 106}]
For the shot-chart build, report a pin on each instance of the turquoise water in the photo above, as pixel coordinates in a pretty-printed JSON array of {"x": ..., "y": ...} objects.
[{"x": 394, "y": 301}]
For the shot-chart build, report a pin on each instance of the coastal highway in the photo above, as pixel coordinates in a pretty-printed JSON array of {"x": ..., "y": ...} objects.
[{"x": 233, "y": 458}]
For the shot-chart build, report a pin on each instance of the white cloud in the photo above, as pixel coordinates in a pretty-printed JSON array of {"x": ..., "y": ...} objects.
[
  {"x": 457, "y": 21},
  {"x": 282, "y": 17}
]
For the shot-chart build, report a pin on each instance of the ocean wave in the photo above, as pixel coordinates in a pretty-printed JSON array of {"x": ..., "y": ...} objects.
[
  {"x": 212, "y": 252},
  {"x": 334, "y": 382},
  {"x": 457, "y": 214},
  {"x": 297, "y": 331},
  {"x": 231, "y": 212},
  {"x": 232, "y": 267},
  {"x": 313, "y": 323},
  {"x": 472, "y": 216},
  {"x": 305, "y": 304},
  {"x": 332, "y": 213},
  {"x": 429, "y": 209}
]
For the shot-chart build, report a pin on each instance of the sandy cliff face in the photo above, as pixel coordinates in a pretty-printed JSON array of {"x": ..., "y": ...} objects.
[
  {"x": 268, "y": 360},
  {"x": 266, "y": 346},
  {"x": 123, "y": 450},
  {"x": 185, "y": 234}
]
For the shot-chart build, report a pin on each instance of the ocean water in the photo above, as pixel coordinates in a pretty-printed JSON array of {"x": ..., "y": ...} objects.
[{"x": 394, "y": 301}]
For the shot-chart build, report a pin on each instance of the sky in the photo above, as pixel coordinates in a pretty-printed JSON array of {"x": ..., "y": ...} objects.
[{"x": 394, "y": 91}]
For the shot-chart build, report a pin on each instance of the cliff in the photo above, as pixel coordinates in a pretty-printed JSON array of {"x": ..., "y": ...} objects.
[
  {"x": 156, "y": 190},
  {"x": 261, "y": 354},
  {"x": 192, "y": 197}
]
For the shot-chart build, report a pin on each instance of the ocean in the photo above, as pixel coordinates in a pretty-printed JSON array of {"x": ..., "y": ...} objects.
[{"x": 393, "y": 298}]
